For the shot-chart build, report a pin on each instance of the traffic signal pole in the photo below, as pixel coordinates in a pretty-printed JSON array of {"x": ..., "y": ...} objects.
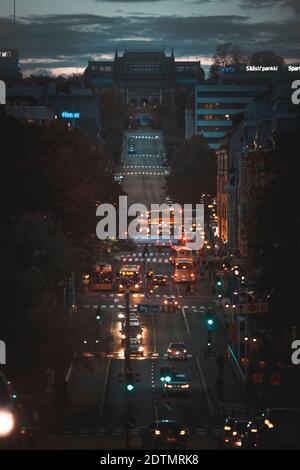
[{"x": 127, "y": 333}]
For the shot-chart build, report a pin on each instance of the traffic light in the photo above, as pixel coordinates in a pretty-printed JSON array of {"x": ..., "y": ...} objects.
[
  {"x": 165, "y": 374},
  {"x": 98, "y": 317},
  {"x": 210, "y": 320},
  {"x": 130, "y": 387},
  {"x": 219, "y": 283}
]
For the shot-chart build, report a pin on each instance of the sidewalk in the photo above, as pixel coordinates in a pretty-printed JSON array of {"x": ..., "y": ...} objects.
[
  {"x": 85, "y": 384},
  {"x": 234, "y": 392}
]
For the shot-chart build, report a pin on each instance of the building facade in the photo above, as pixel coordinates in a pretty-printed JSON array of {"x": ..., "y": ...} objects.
[
  {"x": 248, "y": 152},
  {"x": 216, "y": 105},
  {"x": 9, "y": 66},
  {"x": 143, "y": 77}
]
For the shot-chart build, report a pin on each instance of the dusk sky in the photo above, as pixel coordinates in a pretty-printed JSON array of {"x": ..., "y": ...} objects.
[{"x": 60, "y": 36}]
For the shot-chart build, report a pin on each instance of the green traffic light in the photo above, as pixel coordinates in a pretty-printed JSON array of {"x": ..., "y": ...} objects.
[
  {"x": 130, "y": 387},
  {"x": 210, "y": 321}
]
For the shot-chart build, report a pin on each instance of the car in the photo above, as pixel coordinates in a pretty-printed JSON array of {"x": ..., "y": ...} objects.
[
  {"x": 233, "y": 432},
  {"x": 170, "y": 304},
  {"x": 178, "y": 383},
  {"x": 135, "y": 348},
  {"x": 135, "y": 331},
  {"x": 122, "y": 313},
  {"x": 275, "y": 428},
  {"x": 165, "y": 433},
  {"x": 18, "y": 423},
  {"x": 177, "y": 350},
  {"x": 159, "y": 280}
]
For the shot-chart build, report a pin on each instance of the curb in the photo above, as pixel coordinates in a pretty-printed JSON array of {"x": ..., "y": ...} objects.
[
  {"x": 103, "y": 396},
  {"x": 202, "y": 380}
]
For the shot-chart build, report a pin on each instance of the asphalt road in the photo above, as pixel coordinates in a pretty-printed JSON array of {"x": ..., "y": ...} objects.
[{"x": 106, "y": 426}]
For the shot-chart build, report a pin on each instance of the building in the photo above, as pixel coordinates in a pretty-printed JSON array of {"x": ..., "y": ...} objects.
[
  {"x": 9, "y": 66},
  {"x": 248, "y": 151},
  {"x": 79, "y": 108},
  {"x": 216, "y": 105},
  {"x": 76, "y": 107},
  {"x": 222, "y": 188},
  {"x": 144, "y": 77}
]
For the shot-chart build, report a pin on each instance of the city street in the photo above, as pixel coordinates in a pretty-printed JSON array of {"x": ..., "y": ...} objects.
[{"x": 186, "y": 324}]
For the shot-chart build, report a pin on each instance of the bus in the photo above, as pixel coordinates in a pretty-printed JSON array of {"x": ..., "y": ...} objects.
[
  {"x": 130, "y": 275},
  {"x": 180, "y": 252},
  {"x": 184, "y": 271},
  {"x": 102, "y": 277}
]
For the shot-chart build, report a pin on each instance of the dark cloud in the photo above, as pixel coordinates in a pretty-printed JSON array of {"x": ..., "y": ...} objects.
[
  {"x": 294, "y": 4},
  {"x": 126, "y": 1},
  {"x": 72, "y": 39}
]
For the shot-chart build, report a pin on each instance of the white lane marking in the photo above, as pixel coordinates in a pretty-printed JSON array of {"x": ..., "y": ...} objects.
[
  {"x": 185, "y": 320},
  {"x": 154, "y": 334}
]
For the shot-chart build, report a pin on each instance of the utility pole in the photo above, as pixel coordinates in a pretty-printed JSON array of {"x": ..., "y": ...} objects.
[{"x": 14, "y": 26}]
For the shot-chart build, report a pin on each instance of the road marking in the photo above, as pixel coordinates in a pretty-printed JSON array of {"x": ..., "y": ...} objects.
[
  {"x": 154, "y": 334},
  {"x": 185, "y": 320},
  {"x": 204, "y": 385}
]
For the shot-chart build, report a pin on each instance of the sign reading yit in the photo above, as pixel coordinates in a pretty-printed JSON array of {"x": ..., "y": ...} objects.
[{"x": 2, "y": 92}]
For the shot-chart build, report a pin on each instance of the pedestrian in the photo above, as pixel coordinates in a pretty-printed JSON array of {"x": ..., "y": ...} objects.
[
  {"x": 220, "y": 363},
  {"x": 220, "y": 387}
]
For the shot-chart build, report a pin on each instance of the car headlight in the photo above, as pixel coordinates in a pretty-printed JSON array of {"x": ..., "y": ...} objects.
[
  {"x": 139, "y": 336},
  {"x": 184, "y": 350},
  {"x": 182, "y": 432},
  {"x": 269, "y": 424},
  {"x": 121, "y": 286},
  {"x": 136, "y": 286},
  {"x": 227, "y": 428},
  {"x": 7, "y": 423},
  {"x": 157, "y": 432}
]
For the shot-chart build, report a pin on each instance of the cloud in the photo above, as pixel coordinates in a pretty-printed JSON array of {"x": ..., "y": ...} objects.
[
  {"x": 294, "y": 4},
  {"x": 71, "y": 40},
  {"x": 127, "y": 1}
]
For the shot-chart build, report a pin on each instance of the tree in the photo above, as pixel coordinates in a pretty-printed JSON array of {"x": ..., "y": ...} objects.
[
  {"x": 266, "y": 58},
  {"x": 226, "y": 54},
  {"x": 273, "y": 231},
  {"x": 193, "y": 171}
]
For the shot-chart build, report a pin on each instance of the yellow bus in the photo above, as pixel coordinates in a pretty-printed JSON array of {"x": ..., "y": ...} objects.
[
  {"x": 180, "y": 252},
  {"x": 130, "y": 276}
]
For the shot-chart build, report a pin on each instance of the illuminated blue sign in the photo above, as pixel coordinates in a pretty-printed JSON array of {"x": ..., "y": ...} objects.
[
  {"x": 228, "y": 69},
  {"x": 68, "y": 115}
]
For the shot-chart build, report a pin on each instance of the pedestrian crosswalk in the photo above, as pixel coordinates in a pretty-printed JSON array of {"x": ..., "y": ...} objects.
[
  {"x": 97, "y": 432},
  {"x": 194, "y": 308},
  {"x": 153, "y": 257},
  {"x": 144, "y": 172},
  {"x": 144, "y": 166}
]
